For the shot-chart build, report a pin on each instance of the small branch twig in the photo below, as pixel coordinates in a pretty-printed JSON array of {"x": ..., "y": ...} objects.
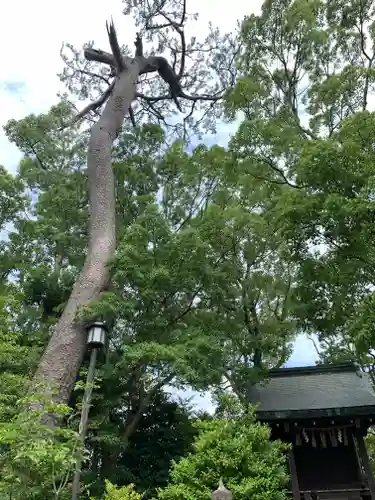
[
  {"x": 138, "y": 46},
  {"x": 93, "y": 106},
  {"x": 178, "y": 27},
  {"x": 94, "y": 75}
]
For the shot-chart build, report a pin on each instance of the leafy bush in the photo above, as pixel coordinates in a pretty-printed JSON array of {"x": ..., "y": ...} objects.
[
  {"x": 128, "y": 492},
  {"x": 234, "y": 447},
  {"x": 36, "y": 460}
]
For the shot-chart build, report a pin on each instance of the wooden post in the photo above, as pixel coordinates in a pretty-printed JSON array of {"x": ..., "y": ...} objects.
[
  {"x": 293, "y": 475},
  {"x": 221, "y": 493},
  {"x": 366, "y": 463}
]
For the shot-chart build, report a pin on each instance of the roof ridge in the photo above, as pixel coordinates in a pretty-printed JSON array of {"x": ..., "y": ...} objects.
[
  {"x": 314, "y": 392},
  {"x": 313, "y": 370}
]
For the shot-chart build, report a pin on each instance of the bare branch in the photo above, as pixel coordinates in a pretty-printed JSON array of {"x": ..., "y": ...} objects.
[
  {"x": 94, "y": 75},
  {"x": 183, "y": 85},
  {"x": 99, "y": 56},
  {"x": 152, "y": 64},
  {"x": 178, "y": 27},
  {"x": 93, "y": 105},
  {"x": 183, "y": 15},
  {"x": 316, "y": 347},
  {"x": 116, "y": 51},
  {"x": 203, "y": 97},
  {"x": 132, "y": 117},
  {"x": 138, "y": 46},
  {"x": 279, "y": 171},
  {"x": 150, "y": 98},
  {"x": 165, "y": 70}
]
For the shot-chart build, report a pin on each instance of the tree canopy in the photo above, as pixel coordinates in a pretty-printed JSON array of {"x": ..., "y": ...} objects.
[{"x": 204, "y": 261}]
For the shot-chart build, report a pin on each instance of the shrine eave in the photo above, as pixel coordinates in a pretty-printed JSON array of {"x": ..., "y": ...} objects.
[
  {"x": 294, "y": 415},
  {"x": 313, "y": 392}
]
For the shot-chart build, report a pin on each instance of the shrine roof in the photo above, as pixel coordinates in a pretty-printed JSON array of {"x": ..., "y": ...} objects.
[{"x": 314, "y": 392}]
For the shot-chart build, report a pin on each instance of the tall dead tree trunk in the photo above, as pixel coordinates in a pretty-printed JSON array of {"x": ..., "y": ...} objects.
[
  {"x": 62, "y": 358},
  {"x": 60, "y": 363}
]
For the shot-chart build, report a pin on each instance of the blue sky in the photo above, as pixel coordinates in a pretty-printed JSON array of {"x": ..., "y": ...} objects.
[{"x": 31, "y": 62}]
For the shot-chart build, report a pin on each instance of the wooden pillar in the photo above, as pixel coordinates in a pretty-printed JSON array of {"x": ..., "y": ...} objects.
[
  {"x": 366, "y": 463},
  {"x": 293, "y": 475}
]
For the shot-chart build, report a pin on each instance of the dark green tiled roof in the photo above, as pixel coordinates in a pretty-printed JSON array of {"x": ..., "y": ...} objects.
[{"x": 315, "y": 391}]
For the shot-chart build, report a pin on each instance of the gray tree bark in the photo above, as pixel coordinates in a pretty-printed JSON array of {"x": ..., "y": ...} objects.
[
  {"x": 61, "y": 360},
  {"x": 63, "y": 356}
]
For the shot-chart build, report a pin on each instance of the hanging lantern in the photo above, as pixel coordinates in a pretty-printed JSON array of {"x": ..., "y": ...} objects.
[{"x": 96, "y": 335}]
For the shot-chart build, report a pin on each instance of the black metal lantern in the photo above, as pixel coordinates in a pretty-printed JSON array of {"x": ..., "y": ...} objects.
[{"x": 97, "y": 335}]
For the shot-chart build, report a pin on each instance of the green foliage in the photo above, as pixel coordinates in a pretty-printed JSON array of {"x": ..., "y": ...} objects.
[
  {"x": 236, "y": 448},
  {"x": 124, "y": 493},
  {"x": 19, "y": 355},
  {"x": 49, "y": 290},
  {"x": 165, "y": 432},
  {"x": 307, "y": 133},
  {"x": 41, "y": 139},
  {"x": 12, "y": 198},
  {"x": 201, "y": 266},
  {"x": 36, "y": 460},
  {"x": 370, "y": 445}
]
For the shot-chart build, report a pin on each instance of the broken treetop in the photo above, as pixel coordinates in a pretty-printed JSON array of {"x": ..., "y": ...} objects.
[{"x": 314, "y": 392}]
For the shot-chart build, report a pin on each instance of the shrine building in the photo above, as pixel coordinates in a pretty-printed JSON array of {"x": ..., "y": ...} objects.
[{"x": 324, "y": 411}]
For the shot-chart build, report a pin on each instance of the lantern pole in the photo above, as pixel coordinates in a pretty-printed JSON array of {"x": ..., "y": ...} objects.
[{"x": 96, "y": 338}]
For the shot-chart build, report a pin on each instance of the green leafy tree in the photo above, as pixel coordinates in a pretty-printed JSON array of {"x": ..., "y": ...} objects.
[
  {"x": 18, "y": 356},
  {"x": 179, "y": 299},
  {"x": 305, "y": 94},
  {"x": 236, "y": 448},
  {"x": 164, "y": 433},
  {"x": 200, "y": 290},
  {"x": 118, "y": 81},
  {"x": 123, "y": 493}
]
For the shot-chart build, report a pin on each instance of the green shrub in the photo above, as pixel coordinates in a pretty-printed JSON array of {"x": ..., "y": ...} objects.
[
  {"x": 36, "y": 460},
  {"x": 236, "y": 448}
]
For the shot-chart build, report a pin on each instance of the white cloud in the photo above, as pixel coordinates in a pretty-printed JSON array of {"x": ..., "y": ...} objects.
[{"x": 31, "y": 61}]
